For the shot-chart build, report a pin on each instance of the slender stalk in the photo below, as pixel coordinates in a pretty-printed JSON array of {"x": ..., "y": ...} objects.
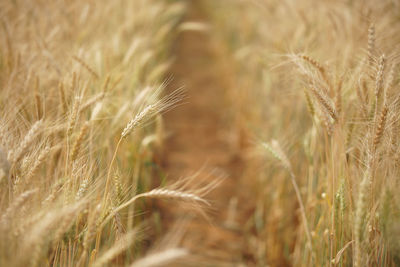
[
  {"x": 302, "y": 211},
  {"x": 110, "y": 169},
  {"x": 106, "y": 189}
]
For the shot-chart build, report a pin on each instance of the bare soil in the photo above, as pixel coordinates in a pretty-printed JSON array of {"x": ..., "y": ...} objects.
[{"x": 201, "y": 140}]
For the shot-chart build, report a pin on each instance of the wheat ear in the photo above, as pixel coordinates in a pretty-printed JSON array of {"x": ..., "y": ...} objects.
[
  {"x": 78, "y": 142},
  {"x": 16, "y": 204},
  {"x": 161, "y": 258},
  {"x": 325, "y": 103},
  {"x": 380, "y": 127},
  {"x": 16, "y": 155},
  {"x": 63, "y": 100},
  {"x": 371, "y": 44},
  {"x": 86, "y": 66},
  {"x": 123, "y": 243}
]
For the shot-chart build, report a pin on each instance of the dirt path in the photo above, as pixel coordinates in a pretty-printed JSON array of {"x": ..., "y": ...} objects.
[{"x": 199, "y": 138}]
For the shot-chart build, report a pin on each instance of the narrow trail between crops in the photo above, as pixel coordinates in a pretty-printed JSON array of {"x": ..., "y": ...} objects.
[{"x": 199, "y": 141}]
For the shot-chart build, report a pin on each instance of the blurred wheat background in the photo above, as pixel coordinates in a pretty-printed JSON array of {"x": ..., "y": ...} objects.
[{"x": 199, "y": 133}]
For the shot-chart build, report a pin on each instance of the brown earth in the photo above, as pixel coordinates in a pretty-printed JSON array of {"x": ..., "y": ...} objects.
[{"x": 201, "y": 141}]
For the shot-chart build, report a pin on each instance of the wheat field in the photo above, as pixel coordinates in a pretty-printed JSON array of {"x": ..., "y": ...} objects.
[{"x": 199, "y": 133}]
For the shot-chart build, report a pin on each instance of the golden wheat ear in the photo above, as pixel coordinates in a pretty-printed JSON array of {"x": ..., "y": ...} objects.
[{"x": 160, "y": 106}]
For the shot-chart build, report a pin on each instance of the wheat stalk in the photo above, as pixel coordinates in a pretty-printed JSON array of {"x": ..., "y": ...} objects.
[
  {"x": 361, "y": 210},
  {"x": 275, "y": 149}
]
